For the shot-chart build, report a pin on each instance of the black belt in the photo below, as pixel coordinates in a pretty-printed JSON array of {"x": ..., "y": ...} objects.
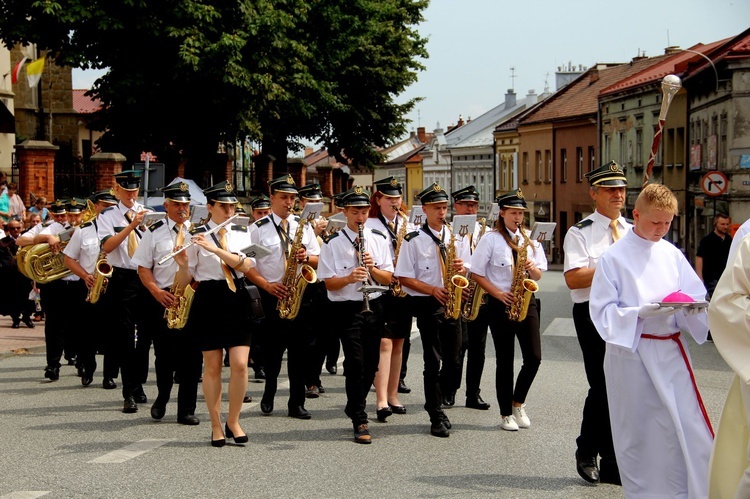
[{"x": 125, "y": 271}]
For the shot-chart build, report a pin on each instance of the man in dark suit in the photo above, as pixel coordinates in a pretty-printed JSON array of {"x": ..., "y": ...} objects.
[{"x": 16, "y": 286}]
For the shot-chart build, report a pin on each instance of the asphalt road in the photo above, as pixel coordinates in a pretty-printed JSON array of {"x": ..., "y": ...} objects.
[{"x": 62, "y": 440}]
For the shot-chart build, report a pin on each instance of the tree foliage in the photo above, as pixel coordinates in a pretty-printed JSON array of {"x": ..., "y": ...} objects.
[{"x": 187, "y": 74}]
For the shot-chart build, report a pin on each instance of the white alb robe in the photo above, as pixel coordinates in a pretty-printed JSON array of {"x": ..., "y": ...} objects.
[{"x": 662, "y": 441}]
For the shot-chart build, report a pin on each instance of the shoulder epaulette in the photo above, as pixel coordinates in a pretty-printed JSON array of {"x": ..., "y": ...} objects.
[
  {"x": 156, "y": 225},
  {"x": 87, "y": 224},
  {"x": 630, "y": 221},
  {"x": 376, "y": 231},
  {"x": 48, "y": 223},
  {"x": 296, "y": 218},
  {"x": 197, "y": 229},
  {"x": 262, "y": 221},
  {"x": 583, "y": 223},
  {"x": 105, "y": 210},
  {"x": 411, "y": 235},
  {"x": 241, "y": 228},
  {"x": 330, "y": 236}
]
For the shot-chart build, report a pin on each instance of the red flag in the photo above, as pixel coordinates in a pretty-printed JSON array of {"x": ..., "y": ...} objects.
[{"x": 17, "y": 70}]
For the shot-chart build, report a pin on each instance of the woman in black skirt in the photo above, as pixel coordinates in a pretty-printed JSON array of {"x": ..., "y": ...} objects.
[{"x": 219, "y": 317}]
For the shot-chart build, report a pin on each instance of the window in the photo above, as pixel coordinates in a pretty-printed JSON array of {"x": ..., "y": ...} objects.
[
  {"x": 607, "y": 153},
  {"x": 592, "y": 159},
  {"x": 623, "y": 145},
  {"x": 579, "y": 164},
  {"x": 638, "y": 159},
  {"x": 657, "y": 160},
  {"x": 563, "y": 165},
  {"x": 548, "y": 162},
  {"x": 721, "y": 150},
  {"x": 538, "y": 166},
  {"x": 525, "y": 168}
]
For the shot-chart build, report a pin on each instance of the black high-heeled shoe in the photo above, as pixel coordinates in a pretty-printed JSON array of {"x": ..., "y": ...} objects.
[
  {"x": 384, "y": 413},
  {"x": 218, "y": 443},
  {"x": 238, "y": 440}
]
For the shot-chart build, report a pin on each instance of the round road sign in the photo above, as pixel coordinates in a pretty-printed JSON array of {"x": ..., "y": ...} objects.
[{"x": 714, "y": 183}]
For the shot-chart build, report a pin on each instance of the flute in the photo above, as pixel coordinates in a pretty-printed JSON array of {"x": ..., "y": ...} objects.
[{"x": 207, "y": 233}]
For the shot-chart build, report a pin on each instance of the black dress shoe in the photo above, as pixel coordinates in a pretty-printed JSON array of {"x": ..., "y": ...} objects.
[
  {"x": 86, "y": 378},
  {"x": 312, "y": 392},
  {"x": 321, "y": 390},
  {"x": 331, "y": 368},
  {"x": 242, "y": 439},
  {"x": 218, "y": 443},
  {"x": 266, "y": 405},
  {"x": 140, "y": 397},
  {"x": 16, "y": 325},
  {"x": 586, "y": 467},
  {"x": 449, "y": 399},
  {"x": 188, "y": 419},
  {"x": 129, "y": 406},
  {"x": 29, "y": 324},
  {"x": 260, "y": 374},
  {"x": 477, "y": 403},
  {"x": 446, "y": 422},
  {"x": 52, "y": 373},
  {"x": 362, "y": 434},
  {"x": 158, "y": 410},
  {"x": 402, "y": 388},
  {"x": 384, "y": 413},
  {"x": 438, "y": 429},
  {"x": 398, "y": 409},
  {"x": 299, "y": 412},
  {"x": 72, "y": 360},
  {"x": 109, "y": 384},
  {"x": 247, "y": 399}
]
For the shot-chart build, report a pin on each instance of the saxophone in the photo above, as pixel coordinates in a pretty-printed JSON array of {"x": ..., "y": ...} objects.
[
  {"x": 177, "y": 313},
  {"x": 289, "y": 307},
  {"x": 102, "y": 271},
  {"x": 521, "y": 288},
  {"x": 476, "y": 293},
  {"x": 396, "y": 288},
  {"x": 454, "y": 283}
]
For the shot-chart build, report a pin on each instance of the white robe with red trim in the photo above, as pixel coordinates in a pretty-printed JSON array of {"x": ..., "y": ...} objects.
[{"x": 662, "y": 440}]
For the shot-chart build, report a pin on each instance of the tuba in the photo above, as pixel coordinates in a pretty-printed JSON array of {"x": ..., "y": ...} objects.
[
  {"x": 102, "y": 273},
  {"x": 521, "y": 288},
  {"x": 39, "y": 263},
  {"x": 177, "y": 313},
  {"x": 289, "y": 307},
  {"x": 453, "y": 282}
]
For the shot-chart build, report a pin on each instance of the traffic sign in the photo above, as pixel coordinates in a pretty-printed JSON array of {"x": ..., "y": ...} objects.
[{"x": 714, "y": 183}]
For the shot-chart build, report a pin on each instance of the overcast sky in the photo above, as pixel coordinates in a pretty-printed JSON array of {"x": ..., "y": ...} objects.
[{"x": 474, "y": 43}]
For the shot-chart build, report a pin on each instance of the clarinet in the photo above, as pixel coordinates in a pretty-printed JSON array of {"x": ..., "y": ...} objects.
[{"x": 361, "y": 255}]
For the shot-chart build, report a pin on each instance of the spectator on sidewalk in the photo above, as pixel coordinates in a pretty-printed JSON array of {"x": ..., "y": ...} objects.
[
  {"x": 40, "y": 208},
  {"x": 14, "y": 295},
  {"x": 713, "y": 252},
  {"x": 17, "y": 206}
]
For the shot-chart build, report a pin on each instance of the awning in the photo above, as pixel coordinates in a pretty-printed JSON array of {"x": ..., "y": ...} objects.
[{"x": 7, "y": 120}]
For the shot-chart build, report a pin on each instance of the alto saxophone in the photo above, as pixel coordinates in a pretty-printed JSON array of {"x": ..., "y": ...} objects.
[
  {"x": 396, "y": 288},
  {"x": 289, "y": 307},
  {"x": 522, "y": 287},
  {"x": 454, "y": 282},
  {"x": 102, "y": 273}
]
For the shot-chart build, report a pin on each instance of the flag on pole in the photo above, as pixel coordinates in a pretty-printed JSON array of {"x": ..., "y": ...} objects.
[
  {"x": 17, "y": 70},
  {"x": 34, "y": 72}
]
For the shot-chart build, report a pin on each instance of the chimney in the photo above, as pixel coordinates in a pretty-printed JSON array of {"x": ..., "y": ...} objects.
[
  {"x": 672, "y": 49},
  {"x": 510, "y": 99},
  {"x": 412, "y": 134},
  {"x": 594, "y": 75},
  {"x": 460, "y": 121},
  {"x": 421, "y": 134},
  {"x": 308, "y": 151},
  {"x": 531, "y": 97}
]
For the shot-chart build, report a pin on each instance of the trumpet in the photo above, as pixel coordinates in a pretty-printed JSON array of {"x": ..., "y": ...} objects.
[
  {"x": 223, "y": 224},
  {"x": 366, "y": 288}
]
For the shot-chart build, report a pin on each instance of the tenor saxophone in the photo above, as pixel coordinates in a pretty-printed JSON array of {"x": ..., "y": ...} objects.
[
  {"x": 295, "y": 284},
  {"x": 477, "y": 294},
  {"x": 177, "y": 313},
  {"x": 522, "y": 287},
  {"x": 454, "y": 282},
  {"x": 103, "y": 272}
]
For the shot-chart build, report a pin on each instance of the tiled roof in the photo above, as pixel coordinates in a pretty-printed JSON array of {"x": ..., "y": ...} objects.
[
  {"x": 404, "y": 158},
  {"x": 580, "y": 97},
  {"x": 83, "y": 104},
  {"x": 674, "y": 63}
]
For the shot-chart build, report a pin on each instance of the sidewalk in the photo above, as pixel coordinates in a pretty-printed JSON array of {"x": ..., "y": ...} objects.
[{"x": 22, "y": 340}]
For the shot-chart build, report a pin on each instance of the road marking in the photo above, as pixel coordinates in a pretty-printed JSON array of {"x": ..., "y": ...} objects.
[
  {"x": 131, "y": 451},
  {"x": 25, "y": 494},
  {"x": 561, "y": 327}
]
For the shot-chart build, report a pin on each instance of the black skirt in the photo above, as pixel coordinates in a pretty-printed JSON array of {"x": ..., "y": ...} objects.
[{"x": 218, "y": 318}]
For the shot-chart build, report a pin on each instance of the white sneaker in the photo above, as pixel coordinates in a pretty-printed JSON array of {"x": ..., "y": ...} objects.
[
  {"x": 522, "y": 420},
  {"x": 508, "y": 423}
]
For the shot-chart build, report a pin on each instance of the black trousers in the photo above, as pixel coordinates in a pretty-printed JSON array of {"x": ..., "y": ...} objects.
[
  {"x": 87, "y": 326},
  {"x": 504, "y": 334},
  {"x": 596, "y": 432},
  {"x": 125, "y": 301},
  {"x": 60, "y": 327},
  {"x": 360, "y": 339},
  {"x": 174, "y": 352},
  {"x": 276, "y": 336},
  {"x": 441, "y": 340},
  {"x": 475, "y": 351},
  {"x": 315, "y": 309}
]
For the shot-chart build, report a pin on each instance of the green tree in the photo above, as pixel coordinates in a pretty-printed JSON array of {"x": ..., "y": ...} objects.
[{"x": 185, "y": 75}]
